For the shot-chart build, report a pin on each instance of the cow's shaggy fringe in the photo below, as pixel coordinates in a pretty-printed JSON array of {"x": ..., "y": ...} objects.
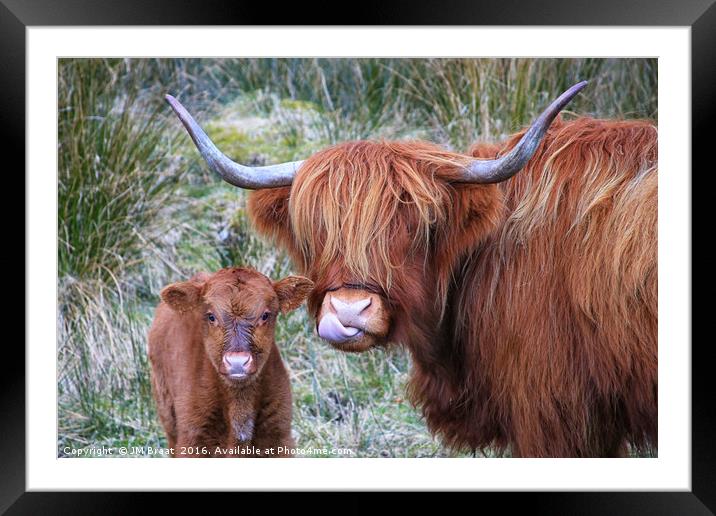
[
  {"x": 394, "y": 182},
  {"x": 529, "y": 308},
  {"x": 406, "y": 209}
]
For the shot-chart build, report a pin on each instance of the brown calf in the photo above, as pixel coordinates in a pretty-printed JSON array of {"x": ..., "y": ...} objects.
[{"x": 217, "y": 376}]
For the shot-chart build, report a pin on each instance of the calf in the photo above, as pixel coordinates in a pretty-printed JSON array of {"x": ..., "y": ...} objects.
[{"x": 217, "y": 376}]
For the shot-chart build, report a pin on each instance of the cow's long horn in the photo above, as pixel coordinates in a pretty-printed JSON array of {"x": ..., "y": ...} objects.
[
  {"x": 252, "y": 178},
  {"x": 497, "y": 170}
]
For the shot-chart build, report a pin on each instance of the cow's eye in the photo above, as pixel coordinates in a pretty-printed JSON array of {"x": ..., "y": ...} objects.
[
  {"x": 211, "y": 317},
  {"x": 265, "y": 316}
]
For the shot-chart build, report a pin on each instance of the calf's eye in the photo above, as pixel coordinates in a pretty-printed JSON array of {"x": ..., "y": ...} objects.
[
  {"x": 265, "y": 316},
  {"x": 211, "y": 317}
]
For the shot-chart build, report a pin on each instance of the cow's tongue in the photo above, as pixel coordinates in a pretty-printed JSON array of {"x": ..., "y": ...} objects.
[{"x": 330, "y": 328}]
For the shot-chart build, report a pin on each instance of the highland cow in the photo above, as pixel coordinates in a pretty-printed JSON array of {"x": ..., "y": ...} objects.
[
  {"x": 528, "y": 301},
  {"x": 217, "y": 376}
]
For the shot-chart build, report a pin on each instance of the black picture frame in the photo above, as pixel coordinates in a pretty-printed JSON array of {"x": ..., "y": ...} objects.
[{"x": 17, "y": 15}]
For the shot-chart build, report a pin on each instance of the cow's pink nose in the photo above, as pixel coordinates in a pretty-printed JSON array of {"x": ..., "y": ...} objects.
[
  {"x": 344, "y": 321},
  {"x": 350, "y": 313}
]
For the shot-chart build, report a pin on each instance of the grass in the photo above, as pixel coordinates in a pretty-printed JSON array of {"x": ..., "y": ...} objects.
[{"x": 138, "y": 210}]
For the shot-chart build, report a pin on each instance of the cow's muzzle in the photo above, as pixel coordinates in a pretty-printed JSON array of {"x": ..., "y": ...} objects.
[{"x": 351, "y": 319}]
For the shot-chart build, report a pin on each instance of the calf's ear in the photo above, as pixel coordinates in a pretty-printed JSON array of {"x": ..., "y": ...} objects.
[
  {"x": 182, "y": 296},
  {"x": 292, "y": 291}
]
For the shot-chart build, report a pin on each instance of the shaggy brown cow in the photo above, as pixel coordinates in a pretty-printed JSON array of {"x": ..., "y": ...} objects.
[
  {"x": 217, "y": 375},
  {"x": 529, "y": 307}
]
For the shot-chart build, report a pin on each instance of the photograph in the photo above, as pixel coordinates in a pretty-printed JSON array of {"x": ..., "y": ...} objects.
[
  {"x": 434, "y": 244},
  {"x": 357, "y": 257}
]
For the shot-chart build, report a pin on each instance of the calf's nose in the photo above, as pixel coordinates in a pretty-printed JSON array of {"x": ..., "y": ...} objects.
[{"x": 238, "y": 363}]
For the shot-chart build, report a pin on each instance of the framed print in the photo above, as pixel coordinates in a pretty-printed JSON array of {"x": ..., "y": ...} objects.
[{"x": 429, "y": 253}]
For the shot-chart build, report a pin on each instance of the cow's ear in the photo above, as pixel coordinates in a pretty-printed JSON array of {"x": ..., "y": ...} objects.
[
  {"x": 182, "y": 296},
  {"x": 268, "y": 210},
  {"x": 292, "y": 291}
]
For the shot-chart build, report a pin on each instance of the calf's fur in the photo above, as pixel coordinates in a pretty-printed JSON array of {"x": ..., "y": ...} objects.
[{"x": 206, "y": 412}]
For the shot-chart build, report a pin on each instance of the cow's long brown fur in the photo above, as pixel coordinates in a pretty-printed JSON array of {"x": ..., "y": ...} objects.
[{"x": 529, "y": 307}]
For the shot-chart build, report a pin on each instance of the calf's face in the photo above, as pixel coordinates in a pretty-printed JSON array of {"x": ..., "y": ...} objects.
[{"x": 238, "y": 309}]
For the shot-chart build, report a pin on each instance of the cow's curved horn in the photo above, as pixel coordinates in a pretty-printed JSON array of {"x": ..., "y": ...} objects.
[
  {"x": 497, "y": 170},
  {"x": 252, "y": 178}
]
